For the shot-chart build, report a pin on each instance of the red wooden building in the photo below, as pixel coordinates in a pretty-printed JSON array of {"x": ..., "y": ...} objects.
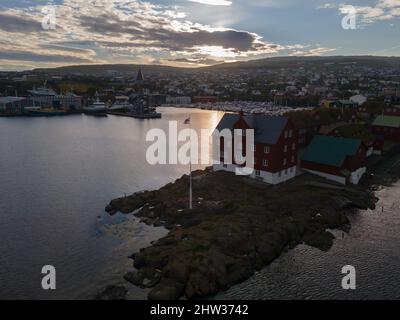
[
  {"x": 337, "y": 159},
  {"x": 275, "y": 146},
  {"x": 392, "y": 111},
  {"x": 387, "y": 127}
]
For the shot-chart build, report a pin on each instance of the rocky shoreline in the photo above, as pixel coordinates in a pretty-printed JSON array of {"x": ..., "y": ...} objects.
[{"x": 237, "y": 227}]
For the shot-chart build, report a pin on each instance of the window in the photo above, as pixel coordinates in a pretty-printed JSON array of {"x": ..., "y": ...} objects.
[
  {"x": 293, "y": 146},
  {"x": 285, "y": 171},
  {"x": 265, "y": 163},
  {"x": 290, "y": 133},
  {"x": 286, "y": 134},
  {"x": 266, "y": 149},
  {"x": 285, "y": 148},
  {"x": 258, "y": 173},
  {"x": 293, "y": 159},
  {"x": 225, "y": 166},
  {"x": 285, "y": 162}
]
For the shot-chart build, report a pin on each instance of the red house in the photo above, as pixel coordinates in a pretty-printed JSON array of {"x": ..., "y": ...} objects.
[
  {"x": 337, "y": 159},
  {"x": 392, "y": 111},
  {"x": 275, "y": 146},
  {"x": 387, "y": 127}
]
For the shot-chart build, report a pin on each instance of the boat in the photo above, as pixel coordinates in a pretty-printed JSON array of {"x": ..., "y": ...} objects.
[{"x": 98, "y": 108}]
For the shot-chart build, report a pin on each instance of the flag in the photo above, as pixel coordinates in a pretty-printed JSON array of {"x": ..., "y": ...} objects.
[{"x": 187, "y": 121}]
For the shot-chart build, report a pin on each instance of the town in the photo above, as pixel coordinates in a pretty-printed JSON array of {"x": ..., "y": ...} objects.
[{"x": 324, "y": 116}]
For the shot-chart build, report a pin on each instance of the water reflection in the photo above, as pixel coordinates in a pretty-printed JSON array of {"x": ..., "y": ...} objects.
[{"x": 56, "y": 176}]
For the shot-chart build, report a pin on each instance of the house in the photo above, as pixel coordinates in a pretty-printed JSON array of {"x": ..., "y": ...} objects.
[
  {"x": 275, "y": 146},
  {"x": 337, "y": 159},
  {"x": 362, "y": 132},
  {"x": 388, "y": 127},
  {"x": 345, "y": 104},
  {"x": 12, "y": 105},
  {"x": 392, "y": 111},
  {"x": 359, "y": 99}
]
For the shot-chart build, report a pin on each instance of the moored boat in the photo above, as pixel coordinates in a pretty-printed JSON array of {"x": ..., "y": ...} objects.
[{"x": 98, "y": 108}]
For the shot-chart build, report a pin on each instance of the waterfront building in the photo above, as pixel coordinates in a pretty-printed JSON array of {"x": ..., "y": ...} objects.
[
  {"x": 48, "y": 98},
  {"x": 12, "y": 105},
  {"x": 275, "y": 146},
  {"x": 338, "y": 159},
  {"x": 388, "y": 127},
  {"x": 362, "y": 132}
]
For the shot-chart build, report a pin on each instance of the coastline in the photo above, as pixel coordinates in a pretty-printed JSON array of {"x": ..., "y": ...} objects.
[{"x": 223, "y": 242}]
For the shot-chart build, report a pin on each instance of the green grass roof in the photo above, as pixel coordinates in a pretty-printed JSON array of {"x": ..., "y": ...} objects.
[
  {"x": 330, "y": 150},
  {"x": 387, "y": 121},
  {"x": 355, "y": 131}
]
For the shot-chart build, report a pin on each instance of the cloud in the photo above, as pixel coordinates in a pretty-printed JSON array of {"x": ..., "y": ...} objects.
[
  {"x": 196, "y": 61},
  {"x": 213, "y": 2},
  {"x": 382, "y": 10},
  {"x": 14, "y": 23},
  {"x": 124, "y": 31},
  {"x": 27, "y": 56}
]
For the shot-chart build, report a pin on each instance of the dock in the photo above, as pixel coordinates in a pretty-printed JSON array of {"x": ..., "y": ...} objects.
[{"x": 153, "y": 115}]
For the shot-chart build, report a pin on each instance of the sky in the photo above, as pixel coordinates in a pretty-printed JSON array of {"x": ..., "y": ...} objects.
[{"x": 190, "y": 33}]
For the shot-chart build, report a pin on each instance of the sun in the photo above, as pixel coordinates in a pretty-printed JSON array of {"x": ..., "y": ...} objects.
[{"x": 216, "y": 51}]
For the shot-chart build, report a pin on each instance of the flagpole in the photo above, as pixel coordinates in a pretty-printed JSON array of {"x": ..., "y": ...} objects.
[{"x": 190, "y": 167}]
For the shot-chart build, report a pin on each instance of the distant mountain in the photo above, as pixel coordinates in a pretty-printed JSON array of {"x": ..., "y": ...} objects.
[
  {"x": 270, "y": 63},
  {"x": 104, "y": 68},
  {"x": 288, "y": 62}
]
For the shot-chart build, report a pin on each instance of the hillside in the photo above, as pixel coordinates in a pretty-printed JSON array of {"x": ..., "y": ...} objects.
[
  {"x": 101, "y": 69},
  {"x": 270, "y": 63},
  {"x": 288, "y": 62}
]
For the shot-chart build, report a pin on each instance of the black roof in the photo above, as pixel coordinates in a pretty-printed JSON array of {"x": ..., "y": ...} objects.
[{"x": 267, "y": 129}]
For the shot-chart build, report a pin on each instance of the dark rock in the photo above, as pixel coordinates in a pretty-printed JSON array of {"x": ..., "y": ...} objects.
[
  {"x": 267, "y": 252},
  {"x": 140, "y": 260},
  {"x": 166, "y": 290},
  {"x": 111, "y": 210},
  {"x": 200, "y": 285},
  {"x": 322, "y": 240},
  {"x": 136, "y": 278},
  {"x": 113, "y": 293}
]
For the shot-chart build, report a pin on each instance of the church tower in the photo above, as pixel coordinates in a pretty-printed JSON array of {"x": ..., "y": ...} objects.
[{"x": 140, "y": 76}]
